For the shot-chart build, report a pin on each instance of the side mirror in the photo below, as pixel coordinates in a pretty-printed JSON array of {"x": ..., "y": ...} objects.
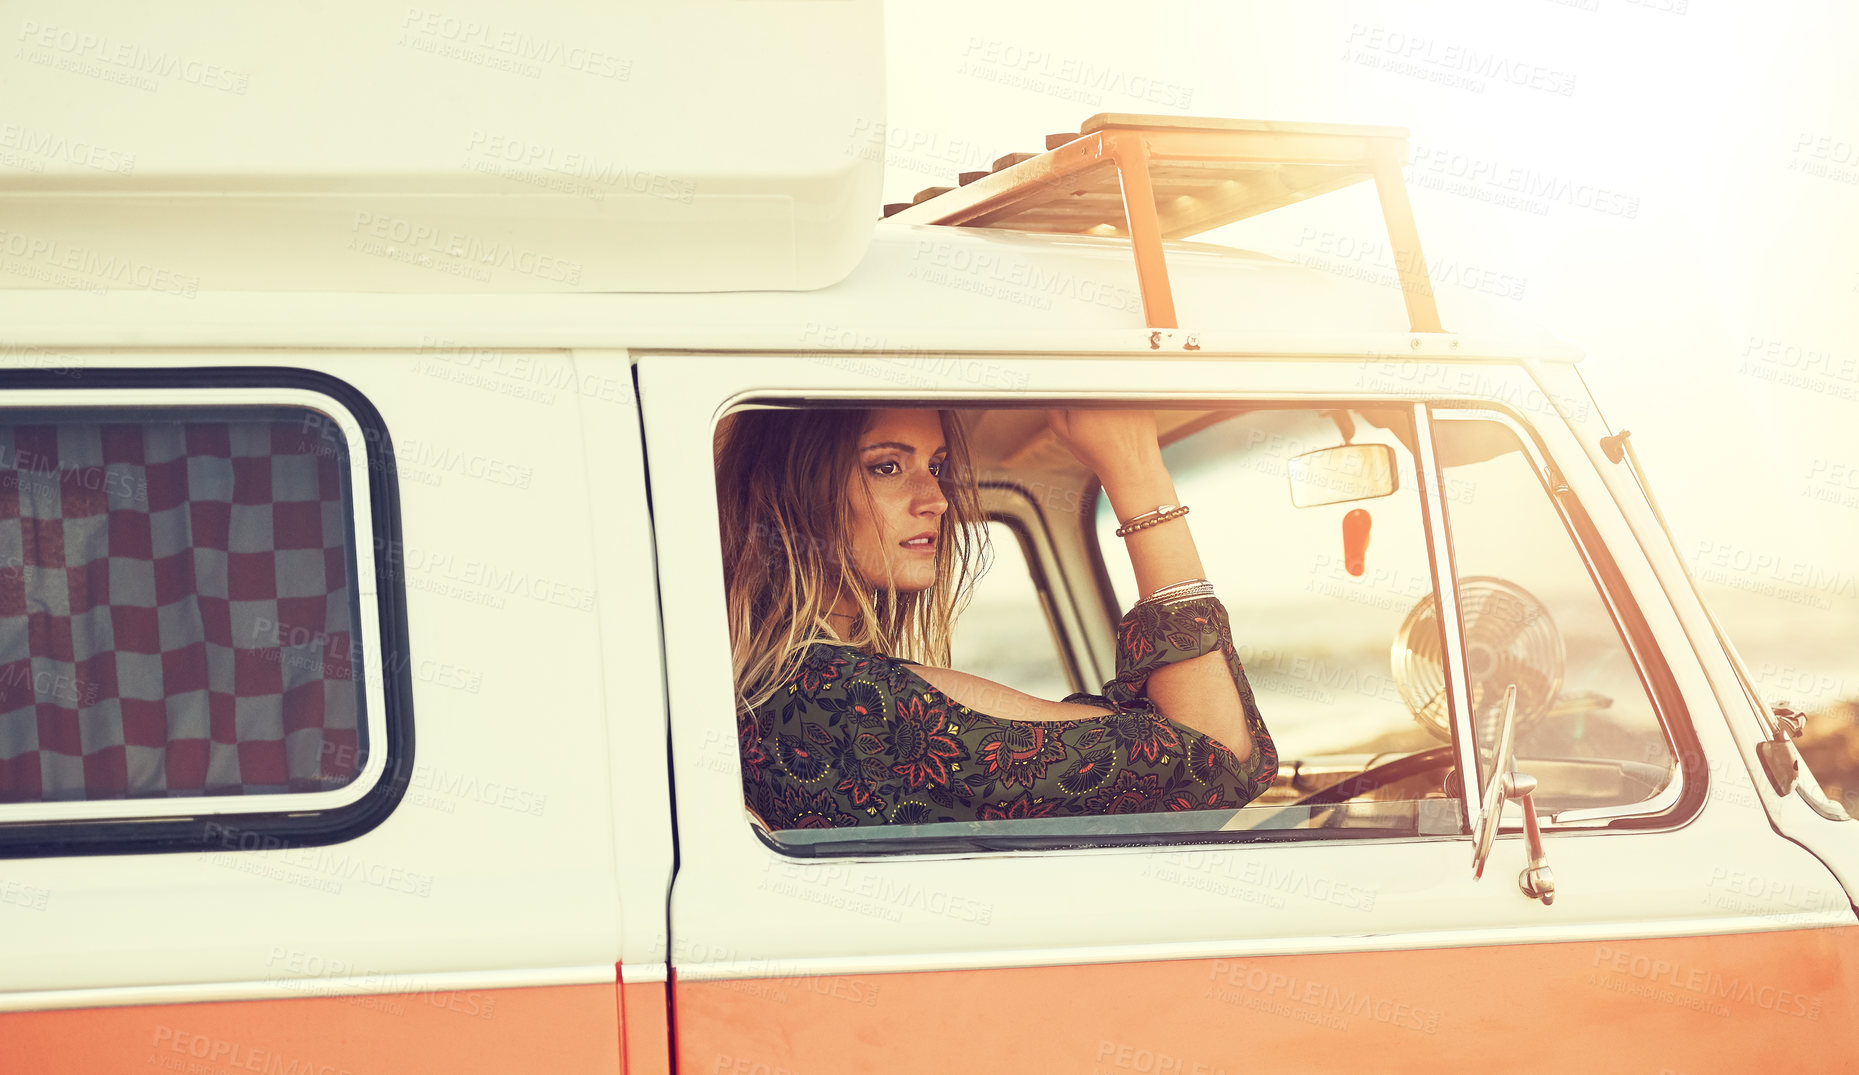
[
  {"x": 1501, "y": 783},
  {"x": 1341, "y": 474}
]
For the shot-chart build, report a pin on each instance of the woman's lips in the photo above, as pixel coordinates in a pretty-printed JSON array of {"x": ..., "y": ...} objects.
[{"x": 927, "y": 545}]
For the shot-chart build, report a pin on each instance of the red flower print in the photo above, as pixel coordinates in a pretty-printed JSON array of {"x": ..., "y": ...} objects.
[
  {"x": 1209, "y": 759},
  {"x": 1019, "y": 808},
  {"x": 1208, "y": 799},
  {"x": 859, "y": 777},
  {"x": 818, "y": 673},
  {"x": 805, "y": 761},
  {"x": 1129, "y": 793},
  {"x": 920, "y": 742},
  {"x": 1089, "y": 772},
  {"x": 1135, "y": 642},
  {"x": 1019, "y": 753},
  {"x": 1146, "y": 735},
  {"x": 798, "y": 808}
]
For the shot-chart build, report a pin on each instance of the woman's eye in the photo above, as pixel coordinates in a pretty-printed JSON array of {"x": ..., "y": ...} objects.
[{"x": 938, "y": 469}]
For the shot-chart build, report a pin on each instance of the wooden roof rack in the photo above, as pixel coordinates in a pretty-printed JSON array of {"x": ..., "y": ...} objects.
[{"x": 1154, "y": 178}]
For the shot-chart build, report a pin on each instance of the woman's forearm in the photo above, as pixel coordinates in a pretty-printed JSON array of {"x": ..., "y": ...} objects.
[
  {"x": 1159, "y": 554},
  {"x": 1200, "y": 692}
]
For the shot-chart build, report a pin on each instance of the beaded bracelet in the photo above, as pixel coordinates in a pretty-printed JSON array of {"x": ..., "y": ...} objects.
[{"x": 1142, "y": 523}]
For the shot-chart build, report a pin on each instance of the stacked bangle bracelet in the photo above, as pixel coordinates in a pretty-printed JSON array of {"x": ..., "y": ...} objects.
[
  {"x": 1179, "y": 591},
  {"x": 1152, "y": 518}
]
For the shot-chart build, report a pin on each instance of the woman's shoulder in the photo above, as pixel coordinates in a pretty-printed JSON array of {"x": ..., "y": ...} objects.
[{"x": 831, "y": 666}]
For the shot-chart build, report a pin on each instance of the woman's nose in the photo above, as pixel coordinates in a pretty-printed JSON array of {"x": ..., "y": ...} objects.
[{"x": 928, "y": 495}]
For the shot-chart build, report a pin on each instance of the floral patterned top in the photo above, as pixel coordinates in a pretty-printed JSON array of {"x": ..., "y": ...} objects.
[{"x": 858, "y": 739}]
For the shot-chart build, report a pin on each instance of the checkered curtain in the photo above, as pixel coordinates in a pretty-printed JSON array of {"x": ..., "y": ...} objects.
[{"x": 174, "y": 611}]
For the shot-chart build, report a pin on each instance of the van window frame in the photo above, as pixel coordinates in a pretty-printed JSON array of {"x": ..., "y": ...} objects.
[
  {"x": 911, "y": 841},
  {"x": 229, "y": 822},
  {"x": 1679, "y": 802}
]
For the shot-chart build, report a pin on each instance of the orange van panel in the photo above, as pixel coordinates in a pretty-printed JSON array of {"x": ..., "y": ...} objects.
[
  {"x": 1681, "y": 1006},
  {"x": 562, "y": 1030},
  {"x": 646, "y": 1021}
]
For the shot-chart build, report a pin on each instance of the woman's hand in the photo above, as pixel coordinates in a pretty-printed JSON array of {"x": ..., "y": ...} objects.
[{"x": 1109, "y": 442}]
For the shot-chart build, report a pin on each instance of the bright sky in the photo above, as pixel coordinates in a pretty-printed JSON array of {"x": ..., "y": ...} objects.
[{"x": 1707, "y": 155}]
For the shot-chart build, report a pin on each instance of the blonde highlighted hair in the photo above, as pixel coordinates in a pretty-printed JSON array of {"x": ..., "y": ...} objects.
[{"x": 787, "y": 557}]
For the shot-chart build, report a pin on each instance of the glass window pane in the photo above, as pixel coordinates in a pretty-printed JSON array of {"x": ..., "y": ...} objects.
[
  {"x": 176, "y": 614},
  {"x": 1314, "y": 636},
  {"x": 1533, "y": 616}
]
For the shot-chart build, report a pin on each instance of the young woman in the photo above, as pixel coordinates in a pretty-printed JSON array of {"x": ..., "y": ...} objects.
[{"x": 850, "y": 544}]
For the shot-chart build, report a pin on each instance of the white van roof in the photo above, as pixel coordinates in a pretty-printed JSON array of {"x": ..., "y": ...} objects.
[{"x": 494, "y": 146}]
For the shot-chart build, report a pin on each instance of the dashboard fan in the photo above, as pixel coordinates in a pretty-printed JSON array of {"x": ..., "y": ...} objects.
[{"x": 1509, "y": 638}]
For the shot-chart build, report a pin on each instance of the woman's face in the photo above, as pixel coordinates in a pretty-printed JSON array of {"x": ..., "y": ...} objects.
[{"x": 898, "y": 460}]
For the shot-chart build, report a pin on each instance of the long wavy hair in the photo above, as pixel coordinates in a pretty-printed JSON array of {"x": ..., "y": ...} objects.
[{"x": 786, "y": 520}]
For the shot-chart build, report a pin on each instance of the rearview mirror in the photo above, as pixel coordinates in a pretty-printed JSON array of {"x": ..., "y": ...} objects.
[{"x": 1341, "y": 474}]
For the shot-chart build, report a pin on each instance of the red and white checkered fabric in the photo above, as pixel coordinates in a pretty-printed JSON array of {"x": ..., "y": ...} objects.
[{"x": 174, "y": 611}]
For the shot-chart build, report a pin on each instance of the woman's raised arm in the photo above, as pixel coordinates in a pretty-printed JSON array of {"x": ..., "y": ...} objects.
[{"x": 1123, "y": 450}]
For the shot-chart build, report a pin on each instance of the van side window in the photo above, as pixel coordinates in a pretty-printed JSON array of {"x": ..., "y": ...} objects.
[
  {"x": 999, "y": 635},
  {"x": 1533, "y": 615},
  {"x": 182, "y": 624},
  {"x": 175, "y": 611},
  {"x": 1312, "y": 628}
]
